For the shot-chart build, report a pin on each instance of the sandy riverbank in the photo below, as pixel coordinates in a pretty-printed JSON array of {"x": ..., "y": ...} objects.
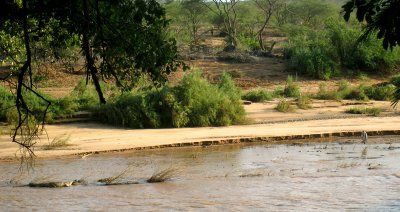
[{"x": 326, "y": 119}]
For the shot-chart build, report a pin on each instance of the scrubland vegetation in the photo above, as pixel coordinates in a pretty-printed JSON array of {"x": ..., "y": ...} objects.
[{"x": 310, "y": 35}]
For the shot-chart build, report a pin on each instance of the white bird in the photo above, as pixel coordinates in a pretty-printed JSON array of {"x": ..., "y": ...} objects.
[{"x": 364, "y": 137}]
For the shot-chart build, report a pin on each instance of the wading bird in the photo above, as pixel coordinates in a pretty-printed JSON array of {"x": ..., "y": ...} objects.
[{"x": 364, "y": 137}]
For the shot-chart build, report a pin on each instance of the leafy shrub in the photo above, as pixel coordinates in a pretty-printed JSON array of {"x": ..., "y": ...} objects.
[
  {"x": 344, "y": 91},
  {"x": 194, "y": 102},
  {"x": 85, "y": 96},
  {"x": 357, "y": 93},
  {"x": 327, "y": 52},
  {"x": 59, "y": 107},
  {"x": 7, "y": 100},
  {"x": 278, "y": 92},
  {"x": 380, "y": 92},
  {"x": 284, "y": 106},
  {"x": 310, "y": 54},
  {"x": 249, "y": 42},
  {"x": 209, "y": 104},
  {"x": 344, "y": 88},
  {"x": 292, "y": 88},
  {"x": 258, "y": 96}
]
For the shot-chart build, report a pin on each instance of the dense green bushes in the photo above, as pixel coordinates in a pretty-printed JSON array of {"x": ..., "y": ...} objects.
[
  {"x": 371, "y": 111},
  {"x": 258, "y": 96},
  {"x": 334, "y": 50},
  {"x": 194, "y": 102},
  {"x": 82, "y": 98},
  {"x": 361, "y": 92}
]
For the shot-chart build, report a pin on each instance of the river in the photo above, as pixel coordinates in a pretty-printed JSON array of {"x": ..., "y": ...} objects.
[{"x": 329, "y": 176}]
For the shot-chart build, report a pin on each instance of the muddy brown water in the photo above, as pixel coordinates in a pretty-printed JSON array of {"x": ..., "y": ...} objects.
[{"x": 331, "y": 176}]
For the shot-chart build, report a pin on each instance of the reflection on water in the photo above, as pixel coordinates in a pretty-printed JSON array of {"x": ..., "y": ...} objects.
[{"x": 329, "y": 176}]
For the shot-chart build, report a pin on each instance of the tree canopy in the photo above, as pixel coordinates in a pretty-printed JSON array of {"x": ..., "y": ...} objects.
[
  {"x": 119, "y": 40},
  {"x": 382, "y": 16}
]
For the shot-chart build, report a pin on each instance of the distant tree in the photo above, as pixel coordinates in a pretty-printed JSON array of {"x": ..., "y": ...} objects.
[
  {"x": 226, "y": 10},
  {"x": 381, "y": 16},
  {"x": 194, "y": 11},
  {"x": 268, "y": 8},
  {"x": 309, "y": 12},
  {"x": 281, "y": 13},
  {"x": 119, "y": 39}
]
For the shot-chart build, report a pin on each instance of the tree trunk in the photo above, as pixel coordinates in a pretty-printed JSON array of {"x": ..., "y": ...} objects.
[{"x": 88, "y": 56}]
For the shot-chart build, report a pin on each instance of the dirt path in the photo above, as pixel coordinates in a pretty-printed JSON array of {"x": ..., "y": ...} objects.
[{"x": 89, "y": 137}]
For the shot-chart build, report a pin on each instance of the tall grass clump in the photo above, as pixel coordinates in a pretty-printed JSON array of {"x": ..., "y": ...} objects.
[
  {"x": 358, "y": 93},
  {"x": 58, "y": 142},
  {"x": 85, "y": 96},
  {"x": 194, "y": 102},
  {"x": 292, "y": 88},
  {"x": 284, "y": 106},
  {"x": 304, "y": 102},
  {"x": 163, "y": 175},
  {"x": 259, "y": 95},
  {"x": 344, "y": 91},
  {"x": 328, "y": 94}
]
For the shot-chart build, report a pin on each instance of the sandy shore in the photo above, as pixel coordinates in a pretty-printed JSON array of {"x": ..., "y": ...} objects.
[{"x": 90, "y": 137}]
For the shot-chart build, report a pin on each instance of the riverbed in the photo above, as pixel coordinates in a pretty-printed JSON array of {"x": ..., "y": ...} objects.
[{"x": 303, "y": 176}]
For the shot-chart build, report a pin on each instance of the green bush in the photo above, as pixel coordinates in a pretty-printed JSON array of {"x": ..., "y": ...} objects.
[
  {"x": 357, "y": 93},
  {"x": 250, "y": 42},
  {"x": 344, "y": 88},
  {"x": 85, "y": 96},
  {"x": 7, "y": 100},
  {"x": 284, "y": 106},
  {"x": 292, "y": 88},
  {"x": 194, "y": 102},
  {"x": 62, "y": 107},
  {"x": 258, "y": 96},
  {"x": 278, "y": 92},
  {"x": 380, "y": 92},
  {"x": 335, "y": 49},
  {"x": 310, "y": 54},
  {"x": 326, "y": 94},
  {"x": 371, "y": 111},
  {"x": 344, "y": 91},
  {"x": 304, "y": 102}
]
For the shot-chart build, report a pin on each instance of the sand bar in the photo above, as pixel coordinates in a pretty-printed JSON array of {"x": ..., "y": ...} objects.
[{"x": 90, "y": 137}]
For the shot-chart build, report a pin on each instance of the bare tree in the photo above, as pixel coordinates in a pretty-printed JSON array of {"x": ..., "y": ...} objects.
[
  {"x": 227, "y": 10},
  {"x": 281, "y": 13},
  {"x": 268, "y": 8}
]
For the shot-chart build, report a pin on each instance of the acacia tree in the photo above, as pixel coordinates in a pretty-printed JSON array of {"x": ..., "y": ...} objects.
[
  {"x": 268, "y": 8},
  {"x": 308, "y": 12},
  {"x": 227, "y": 10},
  {"x": 119, "y": 39},
  {"x": 194, "y": 11},
  {"x": 281, "y": 13},
  {"x": 381, "y": 16}
]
